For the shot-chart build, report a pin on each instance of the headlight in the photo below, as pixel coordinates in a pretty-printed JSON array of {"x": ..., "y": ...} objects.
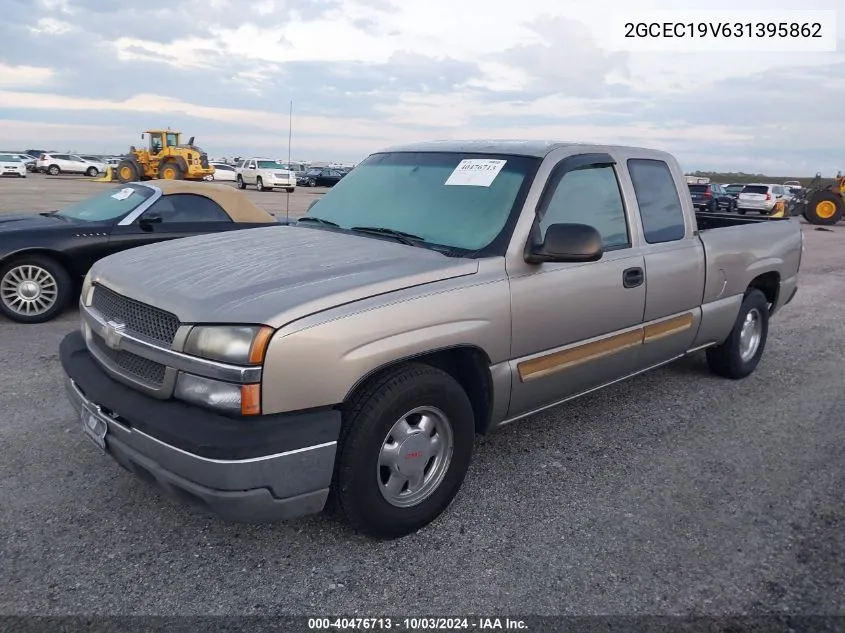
[
  {"x": 244, "y": 345},
  {"x": 216, "y": 394},
  {"x": 87, "y": 294}
]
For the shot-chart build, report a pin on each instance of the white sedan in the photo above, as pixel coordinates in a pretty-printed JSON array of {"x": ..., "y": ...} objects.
[
  {"x": 12, "y": 165},
  {"x": 222, "y": 172}
]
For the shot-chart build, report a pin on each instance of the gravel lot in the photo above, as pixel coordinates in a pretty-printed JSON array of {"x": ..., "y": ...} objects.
[{"x": 675, "y": 492}]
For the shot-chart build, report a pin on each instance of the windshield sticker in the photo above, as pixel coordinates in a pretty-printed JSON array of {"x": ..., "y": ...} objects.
[
  {"x": 476, "y": 172},
  {"x": 123, "y": 194}
]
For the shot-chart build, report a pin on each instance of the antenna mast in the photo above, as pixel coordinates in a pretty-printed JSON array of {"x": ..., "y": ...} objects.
[{"x": 290, "y": 134}]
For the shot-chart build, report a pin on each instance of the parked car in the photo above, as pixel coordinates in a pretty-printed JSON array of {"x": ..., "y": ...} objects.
[
  {"x": 55, "y": 164},
  {"x": 266, "y": 174},
  {"x": 712, "y": 197},
  {"x": 44, "y": 256},
  {"x": 760, "y": 197},
  {"x": 26, "y": 159},
  {"x": 322, "y": 177},
  {"x": 733, "y": 190},
  {"x": 792, "y": 184},
  {"x": 431, "y": 295},
  {"x": 223, "y": 172},
  {"x": 12, "y": 165}
]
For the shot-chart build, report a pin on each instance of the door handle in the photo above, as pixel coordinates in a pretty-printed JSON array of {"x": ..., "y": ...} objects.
[{"x": 633, "y": 277}]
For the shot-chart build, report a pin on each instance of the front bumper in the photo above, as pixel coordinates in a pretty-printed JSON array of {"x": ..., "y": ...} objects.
[{"x": 244, "y": 470}]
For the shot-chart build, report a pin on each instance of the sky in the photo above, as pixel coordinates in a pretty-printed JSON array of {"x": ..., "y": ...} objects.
[{"x": 91, "y": 75}]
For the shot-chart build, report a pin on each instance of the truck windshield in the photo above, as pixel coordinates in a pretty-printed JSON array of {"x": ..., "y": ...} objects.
[
  {"x": 108, "y": 205},
  {"x": 270, "y": 164},
  {"x": 454, "y": 200}
]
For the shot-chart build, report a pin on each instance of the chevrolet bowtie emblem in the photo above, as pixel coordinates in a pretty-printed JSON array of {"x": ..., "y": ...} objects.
[{"x": 112, "y": 334}]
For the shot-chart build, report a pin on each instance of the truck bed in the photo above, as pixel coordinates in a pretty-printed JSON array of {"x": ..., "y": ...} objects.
[{"x": 707, "y": 221}]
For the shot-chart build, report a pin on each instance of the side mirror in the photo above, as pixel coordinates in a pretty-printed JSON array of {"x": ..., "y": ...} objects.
[
  {"x": 567, "y": 243},
  {"x": 147, "y": 220},
  {"x": 142, "y": 137},
  {"x": 191, "y": 141}
]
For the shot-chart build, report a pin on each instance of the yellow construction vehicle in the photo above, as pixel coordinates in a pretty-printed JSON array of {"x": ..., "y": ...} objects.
[
  {"x": 165, "y": 157},
  {"x": 822, "y": 204}
]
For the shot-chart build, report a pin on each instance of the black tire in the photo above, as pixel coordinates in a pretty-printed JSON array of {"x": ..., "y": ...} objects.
[
  {"x": 171, "y": 169},
  {"x": 290, "y": 189},
  {"x": 54, "y": 170},
  {"x": 63, "y": 290},
  {"x": 240, "y": 182},
  {"x": 91, "y": 172},
  {"x": 368, "y": 418},
  {"x": 829, "y": 201},
  {"x": 727, "y": 360},
  {"x": 127, "y": 171},
  {"x": 740, "y": 211},
  {"x": 259, "y": 185}
]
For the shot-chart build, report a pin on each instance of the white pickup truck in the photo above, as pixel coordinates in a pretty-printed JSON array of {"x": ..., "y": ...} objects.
[{"x": 266, "y": 174}]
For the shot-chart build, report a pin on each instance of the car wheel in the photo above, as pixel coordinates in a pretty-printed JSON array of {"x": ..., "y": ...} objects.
[
  {"x": 290, "y": 189},
  {"x": 54, "y": 170},
  {"x": 404, "y": 450},
  {"x": 33, "y": 289},
  {"x": 241, "y": 183},
  {"x": 259, "y": 184},
  {"x": 740, "y": 354},
  {"x": 91, "y": 172}
]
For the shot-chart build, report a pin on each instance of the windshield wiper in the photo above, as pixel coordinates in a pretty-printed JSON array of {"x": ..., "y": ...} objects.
[
  {"x": 400, "y": 236},
  {"x": 310, "y": 218}
]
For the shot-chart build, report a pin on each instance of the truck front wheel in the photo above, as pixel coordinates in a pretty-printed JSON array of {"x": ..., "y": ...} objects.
[
  {"x": 404, "y": 450},
  {"x": 740, "y": 354}
]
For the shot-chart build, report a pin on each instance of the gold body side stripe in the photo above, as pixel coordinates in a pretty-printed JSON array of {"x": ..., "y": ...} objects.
[{"x": 587, "y": 352}]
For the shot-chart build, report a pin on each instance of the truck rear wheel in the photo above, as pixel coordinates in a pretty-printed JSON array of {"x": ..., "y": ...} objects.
[
  {"x": 404, "y": 450},
  {"x": 740, "y": 354},
  {"x": 824, "y": 207}
]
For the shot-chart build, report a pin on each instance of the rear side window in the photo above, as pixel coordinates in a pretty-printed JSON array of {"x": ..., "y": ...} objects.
[
  {"x": 698, "y": 188},
  {"x": 657, "y": 197},
  {"x": 755, "y": 189}
]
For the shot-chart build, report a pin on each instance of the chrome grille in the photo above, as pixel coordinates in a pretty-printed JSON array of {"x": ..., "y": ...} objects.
[
  {"x": 157, "y": 325},
  {"x": 135, "y": 366}
]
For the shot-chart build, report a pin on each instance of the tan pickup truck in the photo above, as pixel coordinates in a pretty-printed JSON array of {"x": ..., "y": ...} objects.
[{"x": 347, "y": 360}]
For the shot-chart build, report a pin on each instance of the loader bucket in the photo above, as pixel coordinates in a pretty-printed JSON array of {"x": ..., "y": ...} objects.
[
  {"x": 780, "y": 210},
  {"x": 107, "y": 176}
]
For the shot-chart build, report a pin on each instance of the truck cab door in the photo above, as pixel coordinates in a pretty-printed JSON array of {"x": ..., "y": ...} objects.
[
  {"x": 576, "y": 325},
  {"x": 674, "y": 259},
  {"x": 250, "y": 172}
]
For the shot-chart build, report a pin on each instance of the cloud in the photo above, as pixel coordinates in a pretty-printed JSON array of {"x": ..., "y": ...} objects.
[
  {"x": 363, "y": 74},
  {"x": 23, "y": 76}
]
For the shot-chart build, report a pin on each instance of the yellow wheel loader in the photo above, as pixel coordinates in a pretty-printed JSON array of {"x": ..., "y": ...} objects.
[
  {"x": 823, "y": 205},
  {"x": 164, "y": 157}
]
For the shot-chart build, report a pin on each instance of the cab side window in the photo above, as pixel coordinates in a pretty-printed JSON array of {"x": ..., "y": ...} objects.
[
  {"x": 589, "y": 195},
  {"x": 187, "y": 207},
  {"x": 657, "y": 197}
]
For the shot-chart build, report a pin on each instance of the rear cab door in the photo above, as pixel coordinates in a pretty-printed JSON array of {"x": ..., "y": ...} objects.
[
  {"x": 575, "y": 326},
  {"x": 673, "y": 252}
]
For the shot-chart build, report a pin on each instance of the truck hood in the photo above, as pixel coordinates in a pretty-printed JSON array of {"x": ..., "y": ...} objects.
[{"x": 271, "y": 275}]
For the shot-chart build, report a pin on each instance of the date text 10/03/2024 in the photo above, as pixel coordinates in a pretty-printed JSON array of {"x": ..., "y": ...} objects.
[{"x": 416, "y": 624}]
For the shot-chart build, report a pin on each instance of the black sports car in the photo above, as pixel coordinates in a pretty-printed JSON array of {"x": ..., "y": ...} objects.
[
  {"x": 44, "y": 256},
  {"x": 321, "y": 177}
]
